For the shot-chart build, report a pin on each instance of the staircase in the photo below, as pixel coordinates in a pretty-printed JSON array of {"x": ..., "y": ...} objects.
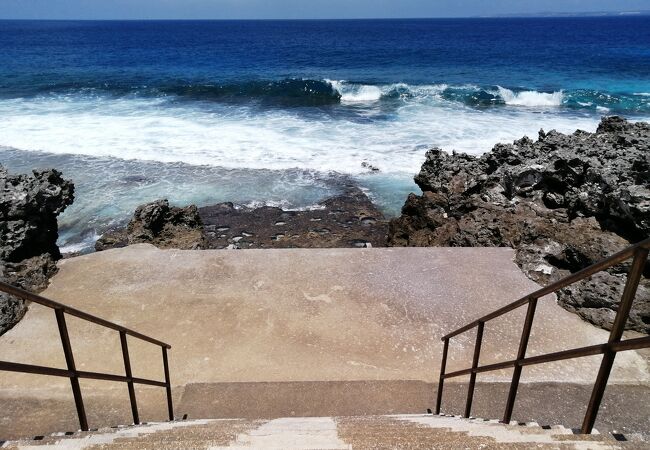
[
  {"x": 358, "y": 432},
  {"x": 335, "y": 431}
]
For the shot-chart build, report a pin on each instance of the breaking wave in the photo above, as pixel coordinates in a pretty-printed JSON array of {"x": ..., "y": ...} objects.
[
  {"x": 491, "y": 96},
  {"x": 299, "y": 92},
  {"x": 531, "y": 98}
]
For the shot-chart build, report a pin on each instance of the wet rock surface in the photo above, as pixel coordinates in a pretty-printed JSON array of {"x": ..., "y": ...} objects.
[
  {"x": 159, "y": 224},
  {"x": 347, "y": 220},
  {"x": 563, "y": 201},
  {"x": 29, "y": 206}
]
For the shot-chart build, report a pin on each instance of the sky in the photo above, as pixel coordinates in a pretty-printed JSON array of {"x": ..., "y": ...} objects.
[{"x": 297, "y": 9}]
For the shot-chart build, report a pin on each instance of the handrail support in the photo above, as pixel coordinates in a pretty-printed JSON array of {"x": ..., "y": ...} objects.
[
  {"x": 521, "y": 354},
  {"x": 631, "y": 285},
  {"x": 129, "y": 375},
  {"x": 441, "y": 380},
  {"x": 475, "y": 361},
  {"x": 69, "y": 359},
  {"x": 168, "y": 385}
]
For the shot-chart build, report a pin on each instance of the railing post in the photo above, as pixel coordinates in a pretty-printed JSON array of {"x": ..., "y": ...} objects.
[
  {"x": 129, "y": 375},
  {"x": 69, "y": 359},
  {"x": 633, "y": 278},
  {"x": 521, "y": 354},
  {"x": 472, "y": 377},
  {"x": 168, "y": 385},
  {"x": 441, "y": 380}
]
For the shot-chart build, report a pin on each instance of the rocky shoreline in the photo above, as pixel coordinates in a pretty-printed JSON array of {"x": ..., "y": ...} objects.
[
  {"x": 347, "y": 220},
  {"x": 563, "y": 202}
]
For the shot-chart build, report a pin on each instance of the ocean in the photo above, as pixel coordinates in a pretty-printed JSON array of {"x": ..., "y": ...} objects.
[{"x": 284, "y": 112}]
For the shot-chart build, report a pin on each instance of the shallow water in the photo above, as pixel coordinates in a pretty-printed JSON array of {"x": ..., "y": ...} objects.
[{"x": 107, "y": 190}]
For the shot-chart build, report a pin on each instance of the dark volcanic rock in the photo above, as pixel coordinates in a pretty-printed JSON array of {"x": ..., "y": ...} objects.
[
  {"x": 348, "y": 220},
  {"x": 29, "y": 206},
  {"x": 159, "y": 224},
  {"x": 564, "y": 202}
]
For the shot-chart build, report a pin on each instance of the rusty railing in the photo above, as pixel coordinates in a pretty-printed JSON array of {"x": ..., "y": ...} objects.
[
  {"x": 72, "y": 373},
  {"x": 639, "y": 253}
]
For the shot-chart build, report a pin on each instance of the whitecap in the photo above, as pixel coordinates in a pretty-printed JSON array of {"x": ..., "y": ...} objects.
[
  {"x": 356, "y": 93},
  {"x": 530, "y": 98},
  {"x": 362, "y": 94}
]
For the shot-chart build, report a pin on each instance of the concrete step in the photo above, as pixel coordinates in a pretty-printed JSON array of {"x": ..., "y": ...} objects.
[
  {"x": 310, "y": 433},
  {"x": 511, "y": 433},
  {"x": 292, "y": 433}
]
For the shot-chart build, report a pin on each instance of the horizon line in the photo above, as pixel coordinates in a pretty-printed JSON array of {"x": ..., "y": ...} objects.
[{"x": 539, "y": 15}]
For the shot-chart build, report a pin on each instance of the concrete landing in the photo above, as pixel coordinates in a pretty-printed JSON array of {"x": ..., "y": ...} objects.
[{"x": 298, "y": 315}]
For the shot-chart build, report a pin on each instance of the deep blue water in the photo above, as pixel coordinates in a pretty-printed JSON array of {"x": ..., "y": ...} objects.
[
  {"x": 272, "y": 108},
  {"x": 609, "y": 55}
]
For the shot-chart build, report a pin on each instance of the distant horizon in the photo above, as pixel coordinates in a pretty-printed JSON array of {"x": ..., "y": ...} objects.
[
  {"x": 537, "y": 15},
  {"x": 312, "y": 9}
]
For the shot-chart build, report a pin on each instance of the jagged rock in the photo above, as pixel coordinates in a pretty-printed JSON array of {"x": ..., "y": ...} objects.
[
  {"x": 159, "y": 224},
  {"x": 347, "y": 220},
  {"x": 564, "y": 202},
  {"x": 29, "y": 206}
]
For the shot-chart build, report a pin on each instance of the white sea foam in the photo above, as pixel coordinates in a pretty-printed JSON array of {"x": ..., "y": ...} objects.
[
  {"x": 642, "y": 94},
  {"x": 530, "y": 98},
  {"x": 363, "y": 93},
  {"x": 356, "y": 93},
  {"x": 76, "y": 247},
  {"x": 243, "y": 137}
]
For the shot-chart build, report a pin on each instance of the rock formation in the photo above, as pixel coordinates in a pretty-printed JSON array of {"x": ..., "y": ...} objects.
[
  {"x": 159, "y": 224},
  {"x": 564, "y": 202},
  {"x": 29, "y": 206},
  {"x": 347, "y": 220}
]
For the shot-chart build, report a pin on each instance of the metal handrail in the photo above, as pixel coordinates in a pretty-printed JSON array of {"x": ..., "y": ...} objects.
[
  {"x": 639, "y": 253},
  {"x": 72, "y": 373}
]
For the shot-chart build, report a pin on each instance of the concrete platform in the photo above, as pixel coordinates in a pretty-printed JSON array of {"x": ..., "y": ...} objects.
[{"x": 300, "y": 315}]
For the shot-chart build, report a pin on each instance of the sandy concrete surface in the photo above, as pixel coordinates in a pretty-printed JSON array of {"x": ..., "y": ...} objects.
[
  {"x": 300, "y": 315},
  {"x": 296, "y": 315}
]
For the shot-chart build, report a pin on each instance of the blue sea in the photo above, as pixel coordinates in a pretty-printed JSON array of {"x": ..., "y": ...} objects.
[{"x": 285, "y": 112}]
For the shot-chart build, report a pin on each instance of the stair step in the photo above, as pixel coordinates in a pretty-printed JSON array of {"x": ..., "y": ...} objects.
[{"x": 330, "y": 433}]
